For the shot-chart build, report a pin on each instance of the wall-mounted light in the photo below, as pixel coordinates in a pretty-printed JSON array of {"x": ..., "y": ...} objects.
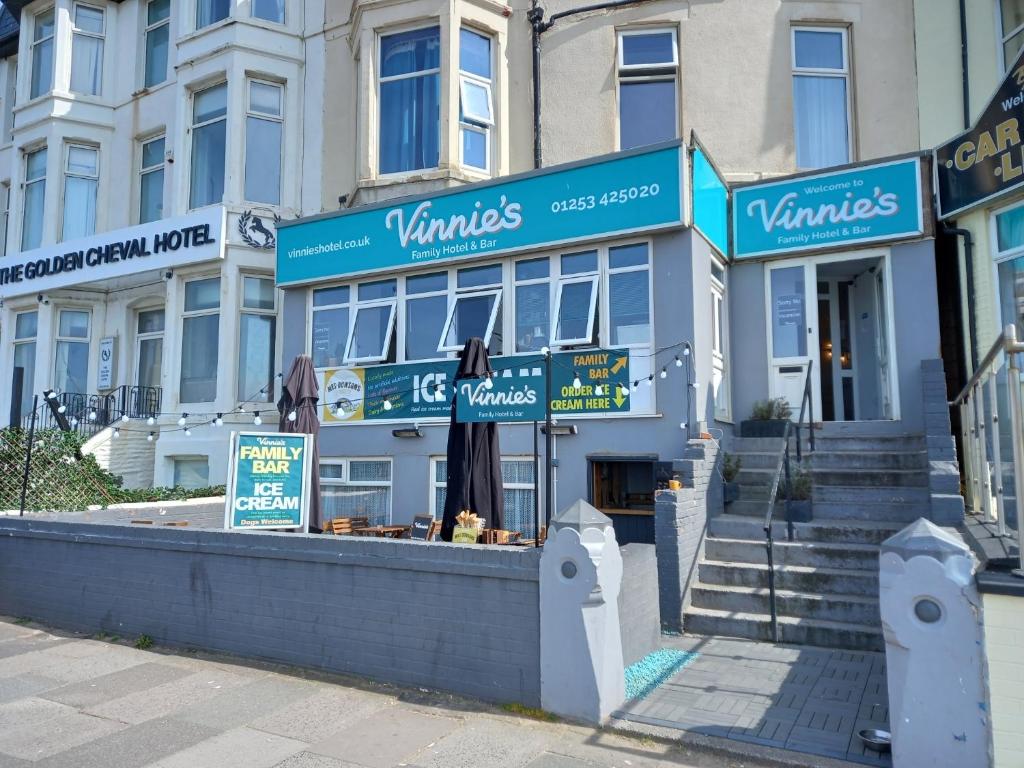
[
  {"x": 413, "y": 431},
  {"x": 560, "y": 429}
]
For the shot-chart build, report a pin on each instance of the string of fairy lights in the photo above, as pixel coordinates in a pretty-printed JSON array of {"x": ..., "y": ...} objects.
[{"x": 187, "y": 421}]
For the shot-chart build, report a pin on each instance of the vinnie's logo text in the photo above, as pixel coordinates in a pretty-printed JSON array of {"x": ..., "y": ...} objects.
[
  {"x": 424, "y": 229},
  {"x": 788, "y": 215}
]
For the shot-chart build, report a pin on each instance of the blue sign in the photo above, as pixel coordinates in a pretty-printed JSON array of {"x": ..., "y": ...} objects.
[
  {"x": 268, "y": 483},
  {"x": 514, "y": 394},
  {"x": 638, "y": 191},
  {"x": 854, "y": 205},
  {"x": 710, "y": 201}
]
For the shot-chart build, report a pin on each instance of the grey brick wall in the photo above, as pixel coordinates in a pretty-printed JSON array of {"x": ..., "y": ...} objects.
[
  {"x": 639, "y": 608},
  {"x": 947, "y": 505},
  {"x": 464, "y": 619},
  {"x": 680, "y": 522}
]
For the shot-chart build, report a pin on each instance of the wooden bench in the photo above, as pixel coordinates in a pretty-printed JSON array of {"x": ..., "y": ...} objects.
[{"x": 344, "y": 526}]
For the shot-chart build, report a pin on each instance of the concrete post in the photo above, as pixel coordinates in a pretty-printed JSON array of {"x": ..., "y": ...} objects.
[
  {"x": 933, "y": 649},
  {"x": 582, "y": 675}
]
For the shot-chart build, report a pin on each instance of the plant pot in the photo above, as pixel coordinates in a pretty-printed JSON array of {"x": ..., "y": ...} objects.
[
  {"x": 799, "y": 510},
  {"x": 763, "y": 427},
  {"x": 730, "y": 492}
]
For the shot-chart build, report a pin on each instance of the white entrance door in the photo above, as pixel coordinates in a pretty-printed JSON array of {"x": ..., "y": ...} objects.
[{"x": 791, "y": 294}]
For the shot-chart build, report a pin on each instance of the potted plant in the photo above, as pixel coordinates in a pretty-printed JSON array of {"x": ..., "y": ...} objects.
[
  {"x": 768, "y": 418},
  {"x": 730, "y": 468},
  {"x": 799, "y": 507}
]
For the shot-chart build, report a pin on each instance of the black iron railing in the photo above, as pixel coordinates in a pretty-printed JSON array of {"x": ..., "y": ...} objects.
[{"x": 88, "y": 414}]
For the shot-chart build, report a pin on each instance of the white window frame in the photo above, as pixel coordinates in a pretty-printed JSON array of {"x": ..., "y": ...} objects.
[
  {"x": 404, "y": 297},
  {"x": 58, "y": 338},
  {"x": 32, "y": 51},
  {"x": 608, "y": 271},
  {"x": 470, "y": 294},
  {"x": 284, "y": 15},
  {"x": 645, "y": 73},
  {"x": 185, "y": 315},
  {"x": 354, "y": 310},
  {"x": 594, "y": 280},
  {"x": 313, "y": 309},
  {"x": 68, "y": 174},
  {"x": 435, "y": 483},
  {"x": 346, "y": 480},
  {"x": 101, "y": 36},
  {"x": 251, "y": 114},
  {"x": 195, "y": 16},
  {"x": 526, "y": 283},
  {"x": 141, "y": 336},
  {"x": 145, "y": 170},
  {"x": 844, "y": 73},
  {"x": 148, "y": 29},
  {"x": 5, "y": 193},
  {"x": 465, "y": 128},
  {"x": 25, "y": 188},
  {"x": 1000, "y": 257},
  {"x": 644, "y": 31},
  {"x": 243, "y": 309},
  {"x": 189, "y": 457},
  {"x": 466, "y": 80},
  {"x": 720, "y": 338},
  {"x": 194, "y": 126}
]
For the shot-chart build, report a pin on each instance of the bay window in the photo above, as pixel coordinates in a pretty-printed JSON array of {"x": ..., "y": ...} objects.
[
  {"x": 356, "y": 488},
  {"x": 87, "y": 49},
  {"x": 821, "y": 99},
  {"x": 576, "y": 300},
  {"x": 629, "y": 305},
  {"x": 648, "y": 68},
  {"x": 269, "y": 10},
  {"x": 158, "y": 30},
  {"x": 42, "y": 54},
  {"x": 151, "y": 181},
  {"x": 373, "y": 322},
  {"x": 533, "y": 299},
  {"x": 256, "y": 340},
  {"x": 71, "y": 364},
  {"x": 24, "y": 374},
  {"x": 200, "y": 341},
  {"x": 410, "y": 97},
  {"x": 35, "y": 200},
  {"x": 211, "y": 11},
  {"x": 476, "y": 114},
  {"x": 81, "y": 179},
  {"x": 426, "y": 308},
  {"x": 475, "y": 310},
  {"x": 5, "y": 200},
  {"x": 263, "y": 124},
  {"x": 209, "y": 140}
]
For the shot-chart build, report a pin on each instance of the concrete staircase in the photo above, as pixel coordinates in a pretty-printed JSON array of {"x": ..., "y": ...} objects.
[{"x": 864, "y": 490}]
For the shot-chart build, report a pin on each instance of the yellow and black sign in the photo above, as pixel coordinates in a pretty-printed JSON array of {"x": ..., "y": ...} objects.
[{"x": 604, "y": 379}]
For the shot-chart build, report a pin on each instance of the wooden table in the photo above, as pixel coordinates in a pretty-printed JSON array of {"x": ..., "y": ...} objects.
[{"x": 382, "y": 531}]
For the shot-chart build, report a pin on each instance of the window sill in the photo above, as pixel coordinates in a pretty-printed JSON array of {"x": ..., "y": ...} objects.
[
  {"x": 197, "y": 33},
  {"x": 148, "y": 90}
]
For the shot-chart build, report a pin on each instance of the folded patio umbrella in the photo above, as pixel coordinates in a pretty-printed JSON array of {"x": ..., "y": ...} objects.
[
  {"x": 474, "y": 458},
  {"x": 300, "y": 393}
]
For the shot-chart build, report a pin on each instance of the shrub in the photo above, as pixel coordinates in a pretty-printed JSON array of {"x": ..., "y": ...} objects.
[
  {"x": 730, "y": 466},
  {"x": 799, "y": 486},
  {"x": 765, "y": 410}
]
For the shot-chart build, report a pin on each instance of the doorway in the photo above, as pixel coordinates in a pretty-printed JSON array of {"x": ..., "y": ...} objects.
[{"x": 833, "y": 313}]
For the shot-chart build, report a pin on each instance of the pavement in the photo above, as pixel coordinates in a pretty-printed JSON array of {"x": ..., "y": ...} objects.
[
  {"x": 811, "y": 700},
  {"x": 72, "y": 701}
]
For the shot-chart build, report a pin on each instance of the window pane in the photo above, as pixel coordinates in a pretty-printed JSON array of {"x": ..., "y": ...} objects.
[
  {"x": 1011, "y": 293},
  {"x": 332, "y": 471},
  {"x": 36, "y": 165},
  {"x": 25, "y": 325},
  {"x": 42, "y": 68},
  {"x": 412, "y": 51},
  {"x": 437, "y": 281},
  {"x": 151, "y": 357},
  {"x": 71, "y": 369},
  {"x": 151, "y": 321},
  {"x": 424, "y": 321},
  {"x": 324, "y": 297},
  {"x": 330, "y": 332},
  {"x": 208, "y": 145},
  {"x": 255, "y": 357},
  {"x": 475, "y": 53},
  {"x": 265, "y": 98},
  {"x": 79, "y": 207},
  {"x": 371, "y": 331},
  {"x": 369, "y": 471},
  {"x": 32, "y": 226},
  {"x": 211, "y": 11},
  {"x": 356, "y": 501},
  {"x": 633, "y": 255},
  {"x": 629, "y": 307},
  {"x": 474, "y": 149},
  {"x": 819, "y": 50},
  {"x": 262, "y": 160},
  {"x": 469, "y": 318},
  {"x": 89, "y": 19},
  {"x": 151, "y": 203},
  {"x": 210, "y": 103},
  {"x": 532, "y": 269},
  {"x": 153, "y": 153},
  {"x": 1012, "y": 47},
  {"x": 789, "y": 316},
  {"x": 574, "y": 311},
  {"x": 200, "y": 344},
  {"x": 653, "y": 48},
  {"x": 409, "y": 123},
  {"x": 82, "y": 160},
  {"x": 202, "y": 294},
  {"x": 477, "y": 277},
  {"x": 43, "y": 25},
  {"x": 191, "y": 473},
  {"x": 156, "y": 55},
  {"x": 822, "y": 131},
  {"x": 257, "y": 293},
  {"x": 269, "y": 10},
  {"x": 577, "y": 263},
  {"x": 158, "y": 10},
  {"x": 25, "y": 364},
  {"x": 74, "y": 324},
  {"x": 647, "y": 112},
  {"x": 1010, "y": 229},
  {"x": 380, "y": 289},
  {"x": 532, "y": 316},
  {"x": 86, "y": 64},
  {"x": 476, "y": 101}
]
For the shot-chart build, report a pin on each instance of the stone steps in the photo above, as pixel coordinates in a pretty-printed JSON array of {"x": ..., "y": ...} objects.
[
  {"x": 751, "y": 527},
  {"x": 848, "y": 608},
  {"x": 785, "y": 553},
  {"x": 797, "y": 578},
  {"x": 757, "y": 626},
  {"x": 883, "y": 460},
  {"x": 869, "y": 478}
]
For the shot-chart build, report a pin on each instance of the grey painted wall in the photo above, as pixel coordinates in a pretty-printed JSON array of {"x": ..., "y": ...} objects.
[
  {"x": 464, "y": 619},
  {"x": 748, "y": 334},
  {"x": 639, "y": 613}
]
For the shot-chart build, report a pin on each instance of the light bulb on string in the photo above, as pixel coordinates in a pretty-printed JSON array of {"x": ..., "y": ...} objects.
[
  {"x": 679, "y": 363},
  {"x": 51, "y": 395},
  {"x": 598, "y": 390},
  {"x": 489, "y": 381},
  {"x": 149, "y": 437},
  {"x": 293, "y": 416},
  {"x": 695, "y": 384},
  {"x": 650, "y": 379},
  {"x": 117, "y": 432},
  {"x": 62, "y": 409},
  {"x": 387, "y": 404},
  {"x": 545, "y": 351},
  {"x": 181, "y": 421},
  {"x": 124, "y": 418},
  {"x": 256, "y": 419},
  {"x": 576, "y": 383},
  {"x": 664, "y": 373},
  {"x": 219, "y": 421},
  {"x": 92, "y": 415},
  {"x": 74, "y": 422},
  {"x": 188, "y": 432},
  {"x": 682, "y": 425},
  {"x": 686, "y": 350},
  {"x": 151, "y": 421},
  {"x": 636, "y": 384}
]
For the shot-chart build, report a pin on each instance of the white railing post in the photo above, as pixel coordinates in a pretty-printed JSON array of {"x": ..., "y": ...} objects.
[
  {"x": 1017, "y": 433},
  {"x": 984, "y": 475},
  {"x": 997, "y": 457}
]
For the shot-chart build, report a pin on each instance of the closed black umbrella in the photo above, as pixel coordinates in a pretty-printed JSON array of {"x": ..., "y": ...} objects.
[
  {"x": 301, "y": 393},
  {"x": 474, "y": 458}
]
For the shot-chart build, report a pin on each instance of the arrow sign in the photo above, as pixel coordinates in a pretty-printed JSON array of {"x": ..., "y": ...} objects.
[
  {"x": 620, "y": 396},
  {"x": 619, "y": 363}
]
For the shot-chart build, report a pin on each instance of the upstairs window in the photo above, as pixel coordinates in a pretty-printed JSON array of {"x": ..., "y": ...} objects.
[
  {"x": 648, "y": 67},
  {"x": 87, "y": 50},
  {"x": 35, "y": 200},
  {"x": 476, "y": 310},
  {"x": 200, "y": 341},
  {"x": 821, "y": 109},
  {"x": 5, "y": 200},
  {"x": 410, "y": 98},
  {"x": 426, "y": 308},
  {"x": 158, "y": 30},
  {"x": 1011, "y": 25},
  {"x": 330, "y": 325},
  {"x": 533, "y": 300},
  {"x": 629, "y": 294},
  {"x": 374, "y": 320},
  {"x": 209, "y": 138},
  {"x": 576, "y": 300},
  {"x": 263, "y": 127},
  {"x": 81, "y": 179},
  {"x": 211, "y": 11},
  {"x": 42, "y": 54},
  {"x": 151, "y": 181},
  {"x": 268, "y": 10},
  {"x": 10, "y": 94},
  {"x": 476, "y": 113}
]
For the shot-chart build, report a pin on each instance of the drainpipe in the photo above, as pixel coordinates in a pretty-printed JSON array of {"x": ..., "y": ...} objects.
[
  {"x": 536, "y": 18},
  {"x": 965, "y": 87},
  {"x": 972, "y": 324}
]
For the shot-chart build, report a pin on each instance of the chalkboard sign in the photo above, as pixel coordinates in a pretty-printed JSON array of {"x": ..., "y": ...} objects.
[{"x": 421, "y": 527}]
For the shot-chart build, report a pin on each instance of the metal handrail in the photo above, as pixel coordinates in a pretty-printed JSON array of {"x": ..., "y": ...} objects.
[
  {"x": 808, "y": 401},
  {"x": 979, "y": 420}
]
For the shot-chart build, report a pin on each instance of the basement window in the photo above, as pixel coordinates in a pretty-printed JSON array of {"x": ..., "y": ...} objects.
[{"x": 626, "y": 485}]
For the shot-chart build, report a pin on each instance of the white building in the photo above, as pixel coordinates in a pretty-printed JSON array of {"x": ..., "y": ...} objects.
[{"x": 129, "y": 127}]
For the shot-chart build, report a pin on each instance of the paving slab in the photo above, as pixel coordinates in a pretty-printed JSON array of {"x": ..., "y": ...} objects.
[
  {"x": 313, "y": 760},
  {"x": 485, "y": 742},
  {"x": 240, "y": 705},
  {"x": 20, "y": 686},
  {"x": 237, "y": 748},
  {"x": 115, "y": 685},
  {"x": 395, "y": 735},
  {"x": 31, "y": 711},
  {"x": 327, "y": 711},
  {"x": 35, "y": 740}
]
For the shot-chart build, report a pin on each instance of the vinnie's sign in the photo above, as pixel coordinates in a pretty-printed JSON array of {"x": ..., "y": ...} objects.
[{"x": 987, "y": 160}]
